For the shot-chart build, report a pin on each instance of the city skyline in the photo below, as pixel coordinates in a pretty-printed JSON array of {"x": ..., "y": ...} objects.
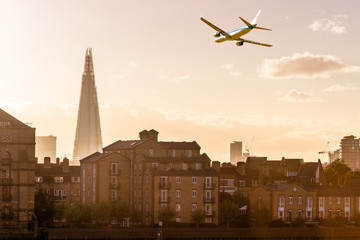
[{"x": 157, "y": 67}]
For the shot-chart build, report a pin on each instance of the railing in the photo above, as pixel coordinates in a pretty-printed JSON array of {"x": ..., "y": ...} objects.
[
  {"x": 164, "y": 185},
  {"x": 210, "y": 214},
  {"x": 6, "y": 181},
  {"x": 164, "y": 200},
  {"x": 209, "y": 185},
  {"x": 116, "y": 173},
  {"x": 209, "y": 199},
  {"x": 114, "y": 185}
]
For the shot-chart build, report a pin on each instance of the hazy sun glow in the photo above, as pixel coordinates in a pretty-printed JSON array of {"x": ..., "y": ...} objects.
[{"x": 157, "y": 67}]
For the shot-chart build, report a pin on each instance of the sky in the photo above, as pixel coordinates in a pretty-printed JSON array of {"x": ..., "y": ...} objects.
[{"x": 157, "y": 67}]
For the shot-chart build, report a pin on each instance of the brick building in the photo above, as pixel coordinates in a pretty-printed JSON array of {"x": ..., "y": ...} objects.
[
  {"x": 17, "y": 153},
  {"x": 58, "y": 179},
  {"x": 152, "y": 174}
]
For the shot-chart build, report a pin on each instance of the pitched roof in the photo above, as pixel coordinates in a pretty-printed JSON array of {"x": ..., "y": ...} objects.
[
  {"x": 124, "y": 144},
  {"x": 94, "y": 157},
  {"x": 293, "y": 164},
  {"x": 202, "y": 172},
  {"x": 14, "y": 123},
  {"x": 202, "y": 158},
  {"x": 255, "y": 162},
  {"x": 339, "y": 191},
  {"x": 308, "y": 169},
  {"x": 56, "y": 169},
  {"x": 182, "y": 145}
]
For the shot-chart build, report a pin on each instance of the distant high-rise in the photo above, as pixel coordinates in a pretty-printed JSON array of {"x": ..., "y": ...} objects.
[
  {"x": 236, "y": 152},
  {"x": 45, "y": 147},
  {"x": 350, "y": 151},
  {"x": 88, "y": 131}
]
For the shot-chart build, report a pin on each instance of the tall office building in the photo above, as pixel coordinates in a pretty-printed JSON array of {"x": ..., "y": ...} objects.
[
  {"x": 236, "y": 152},
  {"x": 88, "y": 131},
  {"x": 45, "y": 147},
  {"x": 350, "y": 152}
]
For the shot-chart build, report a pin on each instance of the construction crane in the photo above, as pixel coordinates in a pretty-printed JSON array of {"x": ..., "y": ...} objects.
[
  {"x": 247, "y": 148},
  {"x": 326, "y": 152}
]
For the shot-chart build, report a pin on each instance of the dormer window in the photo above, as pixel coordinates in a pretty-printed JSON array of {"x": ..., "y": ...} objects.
[
  {"x": 188, "y": 153},
  {"x": 173, "y": 153}
]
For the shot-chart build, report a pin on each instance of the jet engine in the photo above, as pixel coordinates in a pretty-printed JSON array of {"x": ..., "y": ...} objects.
[
  {"x": 217, "y": 34},
  {"x": 239, "y": 43}
]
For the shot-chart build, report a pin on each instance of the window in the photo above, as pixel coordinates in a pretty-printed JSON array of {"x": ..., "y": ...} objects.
[
  {"x": 290, "y": 216},
  {"x": 290, "y": 200},
  {"x": 178, "y": 207},
  {"x": 178, "y": 179},
  {"x": 178, "y": 193},
  {"x": 198, "y": 166},
  {"x": 330, "y": 200},
  {"x": 151, "y": 152},
  {"x": 140, "y": 166},
  {"x": 188, "y": 153},
  {"x": 242, "y": 183},
  {"x": 347, "y": 202},
  {"x": 155, "y": 165},
  {"x": 139, "y": 179},
  {"x": 185, "y": 166},
  {"x": 300, "y": 200},
  {"x": 299, "y": 214},
  {"x": 38, "y": 179},
  {"x": 281, "y": 201},
  {"x": 58, "y": 179},
  {"x": 178, "y": 219},
  {"x": 56, "y": 192},
  {"x": 173, "y": 153},
  {"x": 321, "y": 202},
  {"x": 75, "y": 179},
  {"x": 254, "y": 182},
  {"x": 146, "y": 179},
  {"x": 194, "y": 179},
  {"x": 338, "y": 200},
  {"x": 114, "y": 168},
  {"x": 194, "y": 193},
  {"x": 208, "y": 181},
  {"x": 135, "y": 177},
  {"x": 193, "y": 207},
  {"x": 309, "y": 202},
  {"x": 63, "y": 192},
  {"x": 231, "y": 182}
]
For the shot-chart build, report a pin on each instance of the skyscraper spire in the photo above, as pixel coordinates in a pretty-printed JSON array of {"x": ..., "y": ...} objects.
[{"x": 88, "y": 130}]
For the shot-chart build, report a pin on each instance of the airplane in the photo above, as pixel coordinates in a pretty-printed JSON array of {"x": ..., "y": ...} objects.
[{"x": 235, "y": 35}]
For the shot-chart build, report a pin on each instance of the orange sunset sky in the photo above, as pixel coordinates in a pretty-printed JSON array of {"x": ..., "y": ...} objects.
[{"x": 157, "y": 67}]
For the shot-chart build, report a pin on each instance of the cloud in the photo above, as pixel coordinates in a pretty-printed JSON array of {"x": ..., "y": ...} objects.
[
  {"x": 333, "y": 25},
  {"x": 304, "y": 65},
  {"x": 340, "y": 88},
  {"x": 163, "y": 76},
  {"x": 296, "y": 96},
  {"x": 230, "y": 68}
]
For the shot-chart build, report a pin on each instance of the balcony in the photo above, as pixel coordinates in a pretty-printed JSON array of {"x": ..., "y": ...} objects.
[
  {"x": 6, "y": 197},
  {"x": 209, "y": 199},
  {"x": 209, "y": 185},
  {"x": 6, "y": 181},
  {"x": 114, "y": 173},
  {"x": 114, "y": 185},
  {"x": 164, "y": 185},
  {"x": 210, "y": 214},
  {"x": 164, "y": 200}
]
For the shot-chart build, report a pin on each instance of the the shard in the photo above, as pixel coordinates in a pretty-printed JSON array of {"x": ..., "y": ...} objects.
[{"x": 88, "y": 131}]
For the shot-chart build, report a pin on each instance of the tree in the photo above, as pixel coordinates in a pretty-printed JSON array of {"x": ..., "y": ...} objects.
[
  {"x": 336, "y": 171},
  {"x": 228, "y": 211},
  {"x": 166, "y": 214},
  {"x": 101, "y": 212},
  {"x": 59, "y": 209},
  {"x": 73, "y": 214},
  {"x": 44, "y": 207},
  {"x": 198, "y": 216}
]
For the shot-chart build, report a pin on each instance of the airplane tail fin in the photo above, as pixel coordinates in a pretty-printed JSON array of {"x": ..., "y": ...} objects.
[{"x": 253, "y": 22}]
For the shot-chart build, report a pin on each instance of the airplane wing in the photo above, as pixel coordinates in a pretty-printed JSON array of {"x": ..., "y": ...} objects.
[
  {"x": 215, "y": 27},
  {"x": 253, "y": 42}
]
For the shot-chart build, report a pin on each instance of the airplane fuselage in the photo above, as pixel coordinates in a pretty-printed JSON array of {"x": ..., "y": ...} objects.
[{"x": 235, "y": 35}]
